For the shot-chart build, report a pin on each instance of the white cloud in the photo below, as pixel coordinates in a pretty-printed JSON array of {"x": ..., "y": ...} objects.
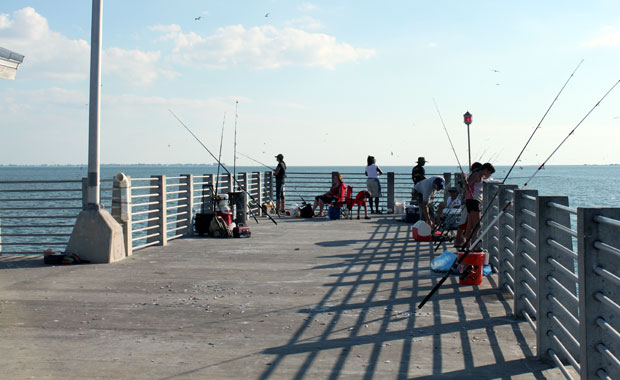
[
  {"x": 307, "y": 7},
  {"x": 610, "y": 37},
  {"x": 306, "y": 22},
  {"x": 53, "y": 56},
  {"x": 264, "y": 47}
]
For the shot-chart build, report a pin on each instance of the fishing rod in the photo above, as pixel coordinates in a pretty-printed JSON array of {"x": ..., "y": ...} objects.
[
  {"x": 475, "y": 229},
  {"x": 223, "y": 167},
  {"x": 571, "y": 132},
  {"x": 457, "y": 160},
  {"x": 217, "y": 182},
  {"x": 235, "y": 145},
  {"x": 543, "y": 118},
  {"x": 269, "y": 167}
]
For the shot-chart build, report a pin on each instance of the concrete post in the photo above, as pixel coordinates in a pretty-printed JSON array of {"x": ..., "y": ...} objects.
[
  {"x": 259, "y": 187},
  {"x": 96, "y": 236},
  {"x": 522, "y": 235},
  {"x": 506, "y": 235},
  {"x": 545, "y": 291},
  {"x": 161, "y": 213},
  {"x": 188, "y": 185},
  {"x": 391, "y": 202},
  {"x": 121, "y": 208},
  {"x": 594, "y": 286}
]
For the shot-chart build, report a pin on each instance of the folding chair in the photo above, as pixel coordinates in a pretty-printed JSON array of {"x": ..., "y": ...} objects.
[{"x": 341, "y": 203}]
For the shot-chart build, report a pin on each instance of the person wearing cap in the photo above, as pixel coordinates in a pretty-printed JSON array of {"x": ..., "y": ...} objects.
[
  {"x": 473, "y": 199},
  {"x": 280, "y": 174},
  {"x": 424, "y": 192},
  {"x": 417, "y": 173}
]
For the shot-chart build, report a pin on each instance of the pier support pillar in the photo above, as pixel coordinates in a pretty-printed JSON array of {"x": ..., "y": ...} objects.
[{"x": 97, "y": 237}]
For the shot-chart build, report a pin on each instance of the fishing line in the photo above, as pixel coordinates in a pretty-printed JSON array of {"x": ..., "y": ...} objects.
[
  {"x": 217, "y": 182},
  {"x": 571, "y": 132},
  {"x": 541, "y": 120},
  {"x": 272, "y": 169},
  {"x": 235, "y": 144},
  {"x": 223, "y": 167},
  {"x": 458, "y": 261}
]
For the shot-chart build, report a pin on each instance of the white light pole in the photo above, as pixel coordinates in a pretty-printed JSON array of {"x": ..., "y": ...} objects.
[{"x": 92, "y": 194}]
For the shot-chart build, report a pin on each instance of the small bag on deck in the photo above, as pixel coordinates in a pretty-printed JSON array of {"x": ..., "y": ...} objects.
[{"x": 305, "y": 211}]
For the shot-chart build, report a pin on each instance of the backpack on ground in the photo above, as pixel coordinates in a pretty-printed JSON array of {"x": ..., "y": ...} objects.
[
  {"x": 305, "y": 211},
  {"x": 218, "y": 228}
]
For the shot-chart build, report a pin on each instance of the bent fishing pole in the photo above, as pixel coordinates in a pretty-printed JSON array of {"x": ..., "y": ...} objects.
[
  {"x": 475, "y": 229},
  {"x": 222, "y": 166}
]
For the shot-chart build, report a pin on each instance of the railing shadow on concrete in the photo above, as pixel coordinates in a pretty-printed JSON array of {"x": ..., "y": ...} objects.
[{"x": 377, "y": 286}]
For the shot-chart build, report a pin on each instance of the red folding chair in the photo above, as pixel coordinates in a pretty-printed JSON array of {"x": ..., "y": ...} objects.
[{"x": 341, "y": 203}]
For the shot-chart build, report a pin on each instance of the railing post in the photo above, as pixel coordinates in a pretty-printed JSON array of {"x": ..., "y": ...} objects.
[
  {"x": 447, "y": 177},
  {"x": 121, "y": 208},
  {"x": 506, "y": 238},
  {"x": 269, "y": 185},
  {"x": 188, "y": 186},
  {"x": 459, "y": 184},
  {"x": 525, "y": 254},
  {"x": 231, "y": 182},
  {"x": 246, "y": 186},
  {"x": 259, "y": 191},
  {"x": 549, "y": 301},
  {"x": 161, "y": 213},
  {"x": 593, "y": 288},
  {"x": 491, "y": 238},
  {"x": 391, "y": 203}
]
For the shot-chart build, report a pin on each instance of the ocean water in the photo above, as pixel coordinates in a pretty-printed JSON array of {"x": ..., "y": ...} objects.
[{"x": 585, "y": 185}]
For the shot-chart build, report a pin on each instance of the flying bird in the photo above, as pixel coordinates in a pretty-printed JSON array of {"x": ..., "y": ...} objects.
[
  {"x": 267, "y": 14},
  {"x": 495, "y": 71},
  {"x": 198, "y": 18},
  {"x": 617, "y": 117}
]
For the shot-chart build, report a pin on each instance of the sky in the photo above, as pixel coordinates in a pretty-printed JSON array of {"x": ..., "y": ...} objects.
[{"x": 322, "y": 82}]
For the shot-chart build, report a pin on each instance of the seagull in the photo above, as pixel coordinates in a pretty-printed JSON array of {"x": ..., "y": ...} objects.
[
  {"x": 391, "y": 153},
  {"x": 198, "y": 18},
  {"x": 267, "y": 14},
  {"x": 495, "y": 71}
]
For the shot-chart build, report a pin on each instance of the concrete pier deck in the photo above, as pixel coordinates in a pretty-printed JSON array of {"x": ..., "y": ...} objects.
[{"x": 307, "y": 299}]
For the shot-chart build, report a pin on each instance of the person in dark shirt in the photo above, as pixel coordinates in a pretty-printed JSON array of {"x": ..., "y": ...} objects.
[
  {"x": 280, "y": 174},
  {"x": 417, "y": 173}
]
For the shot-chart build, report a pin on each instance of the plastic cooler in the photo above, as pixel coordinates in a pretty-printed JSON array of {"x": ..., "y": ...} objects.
[
  {"x": 417, "y": 237},
  {"x": 470, "y": 269}
]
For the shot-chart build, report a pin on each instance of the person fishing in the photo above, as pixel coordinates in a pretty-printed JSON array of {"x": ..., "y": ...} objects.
[
  {"x": 372, "y": 183},
  {"x": 424, "y": 191},
  {"x": 418, "y": 172},
  {"x": 473, "y": 198},
  {"x": 280, "y": 174}
]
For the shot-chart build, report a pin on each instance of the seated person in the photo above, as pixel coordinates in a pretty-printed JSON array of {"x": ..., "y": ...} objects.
[
  {"x": 424, "y": 192},
  {"x": 360, "y": 200},
  {"x": 336, "y": 192},
  {"x": 453, "y": 204}
]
